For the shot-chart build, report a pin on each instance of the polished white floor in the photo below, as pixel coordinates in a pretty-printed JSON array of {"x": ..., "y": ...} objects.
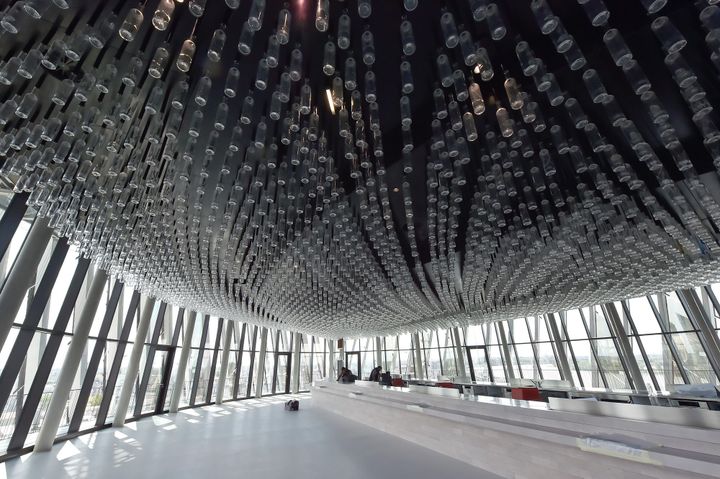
[{"x": 248, "y": 439}]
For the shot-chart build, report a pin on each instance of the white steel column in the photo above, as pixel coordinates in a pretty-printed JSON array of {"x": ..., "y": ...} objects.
[
  {"x": 295, "y": 387},
  {"x": 505, "y": 347},
  {"x": 224, "y": 362},
  {"x": 22, "y": 275},
  {"x": 332, "y": 372},
  {"x": 260, "y": 377},
  {"x": 134, "y": 364},
  {"x": 459, "y": 356},
  {"x": 624, "y": 347},
  {"x": 379, "y": 352},
  {"x": 75, "y": 352},
  {"x": 341, "y": 355},
  {"x": 182, "y": 366},
  {"x": 419, "y": 370},
  {"x": 563, "y": 363}
]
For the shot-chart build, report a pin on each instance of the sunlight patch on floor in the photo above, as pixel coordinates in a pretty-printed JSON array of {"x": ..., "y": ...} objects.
[{"x": 67, "y": 451}]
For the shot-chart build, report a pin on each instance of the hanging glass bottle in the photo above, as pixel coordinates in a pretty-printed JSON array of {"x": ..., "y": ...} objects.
[
  {"x": 343, "y": 35},
  {"x": 159, "y": 61},
  {"x": 131, "y": 25},
  {"x": 504, "y": 121},
  {"x": 185, "y": 57},
  {"x": 322, "y": 15},
  {"x": 514, "y": 93},
  {"x": 217, "y": 43},
  {"x": 163, "y": 14}
]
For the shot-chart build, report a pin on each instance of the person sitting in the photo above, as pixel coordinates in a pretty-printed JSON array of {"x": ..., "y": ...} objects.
[
  {"x": 386, "y": 379},
  {"x": 375, "y": 374},
  {"x": 346, "y": 376}
]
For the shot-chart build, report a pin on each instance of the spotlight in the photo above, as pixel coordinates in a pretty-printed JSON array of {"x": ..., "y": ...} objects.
[{"x": 331, "y": 103}]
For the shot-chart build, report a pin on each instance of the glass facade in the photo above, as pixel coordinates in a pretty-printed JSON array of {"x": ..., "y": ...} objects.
[
  {"x": 38, "y": 340},
  {"x": 665, "y": 337}
]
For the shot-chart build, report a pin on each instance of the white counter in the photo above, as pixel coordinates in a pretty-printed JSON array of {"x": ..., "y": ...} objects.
[{"x": 516, "y": 438}]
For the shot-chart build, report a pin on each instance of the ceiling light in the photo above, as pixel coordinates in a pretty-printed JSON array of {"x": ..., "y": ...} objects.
[{"x": 331, "y": 103}]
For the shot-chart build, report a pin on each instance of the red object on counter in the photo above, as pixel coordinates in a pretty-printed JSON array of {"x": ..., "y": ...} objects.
[
  {"x": 527, "y": 394},
  {"x": 397, "y": 382},
  {"x": 446, "y": 385}
]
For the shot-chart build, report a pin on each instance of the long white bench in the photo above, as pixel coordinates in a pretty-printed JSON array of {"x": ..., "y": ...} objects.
[
  {"x": 528, "y": 439},
  {"x": 435, "y": 391},
  {"x": 367, "y": 384},
  {"x": 679, "y": 416}
]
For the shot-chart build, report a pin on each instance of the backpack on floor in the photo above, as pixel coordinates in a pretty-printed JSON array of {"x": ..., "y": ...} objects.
[{"x": 292, "y": 405}]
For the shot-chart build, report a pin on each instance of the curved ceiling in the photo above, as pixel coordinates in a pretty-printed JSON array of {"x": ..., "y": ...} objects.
[{"x": 356, "y": 167}]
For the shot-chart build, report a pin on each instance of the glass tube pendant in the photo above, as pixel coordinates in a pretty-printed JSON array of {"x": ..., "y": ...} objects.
[
  {"x": 283, "y": 27},
  {"x": 216, "y": 45},
  {"x": 343, "y": 29},
  {"x": 197, "y": 7},
  {"x": 514, "y": 93},
  {"x": 159, "y": 62},
  {"x": 163, "y": 14},
  {"x": 476, "y": 99},
  {"x": 329, "y": 58},
  {"x": 364, "y": 8},
  {"x": 131, "y": 25},
  {"x": 322, "y": 15},
  {"x": 410, "y": 5},
  {"x": 504, "y": 121},
  {"x": 185, "y": 57}
]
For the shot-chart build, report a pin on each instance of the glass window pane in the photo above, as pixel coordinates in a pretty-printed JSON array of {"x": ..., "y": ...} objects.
[
  {"x": 445, "y": 338},
  {"x": 404, "y": 341},
  {"x": 197, "y": 331},
  {"x": 480, "y": 365},
  {"x": 715, "y": 288},
  {"x": 693, "y": 357},
  {"x": 428, "y": 339},
  {"x": 520, "y": 332},
  {"x": 586, "y": 363},
  {"x": 611, "y": 364},
  {"x": 527, "y": 361},
  {"x": 47, "y": 391},
  {"x": 661, "y": 360},
  {"x": 677, "y": 316},
  {"x": 204, "y": 379},
  {"x": 637, "y": 354},
  {"x": 212, "y": 332},
  {"x": 643, "y": 316},
  {"x": 168, "y": 325},
  {"x": 448, "y": 361},
  {"x": 407, "y": 363},
  {"x": 392, "y": 358},
  {"x": 474, "y": 336},
  {"x": 496, "y": 363},
  {"x": 598, "y": 326},
  {"x": 189, "y": 375},
  {"x": 174, "y": 375},
  {"x": 490, "y": 334},
  {"x": 100, "y": 311},
  {"x": 244, "y": 374},
  {"x": 548, "y": 364},
  {"x": 574, "y": 324},
  {"x": 320, "y": 360},
  {"x": 306, "y": 374},
  {"x": 15, "y": 244},
  {"x": 432, "y": 362}
]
